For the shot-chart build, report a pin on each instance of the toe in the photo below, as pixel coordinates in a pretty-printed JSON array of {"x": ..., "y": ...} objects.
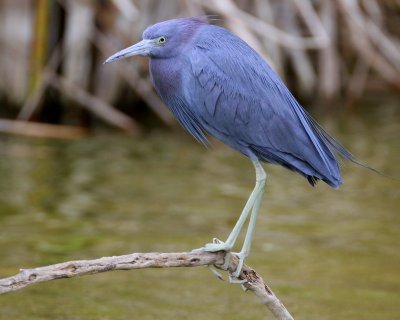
[{"x": 213, "y": 247}]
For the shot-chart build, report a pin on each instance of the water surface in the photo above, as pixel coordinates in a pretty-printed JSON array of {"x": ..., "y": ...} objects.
[{"x": 328, "y": 254}]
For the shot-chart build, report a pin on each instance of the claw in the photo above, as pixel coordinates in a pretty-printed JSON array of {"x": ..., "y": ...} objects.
[
  {"x": 216, "y": 273},
  {"x": 241, "y": 256},
  {"x": 218, "y": 245},
  {"x": 238, "y": 269},
  {"x": 234, "y": 280},
  {"x": 227, "y": 261}
]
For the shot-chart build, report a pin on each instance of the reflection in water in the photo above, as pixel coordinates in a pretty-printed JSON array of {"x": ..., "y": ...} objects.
[{"x": 328, "y": 254}]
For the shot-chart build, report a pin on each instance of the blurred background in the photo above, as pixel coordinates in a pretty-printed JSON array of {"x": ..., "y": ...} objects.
[
  {"x": 93, "y": 164},
  {"x": 330, "y": 53}
]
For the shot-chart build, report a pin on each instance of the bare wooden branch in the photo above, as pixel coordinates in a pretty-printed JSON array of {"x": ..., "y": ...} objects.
[{"x": 252, "y": 281}]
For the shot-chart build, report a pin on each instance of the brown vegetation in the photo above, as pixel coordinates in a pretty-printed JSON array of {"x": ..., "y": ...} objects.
[{"x": 52, "y": 52}]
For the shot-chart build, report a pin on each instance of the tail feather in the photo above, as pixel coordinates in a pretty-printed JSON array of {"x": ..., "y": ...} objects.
[
  {"x": 324, "y": 145},
  {"x": 323, "y": 138},
  {"x": 336, "y": 146}
]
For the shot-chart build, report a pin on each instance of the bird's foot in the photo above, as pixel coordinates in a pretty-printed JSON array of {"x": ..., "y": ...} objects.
[
  {"x": 215, "y": 246},
  {"x": 215, "y": 272},
  {"x": 218, "y": 245},
  {"x": 232, "y": 279},
  {"x": 234, "y": 276}
]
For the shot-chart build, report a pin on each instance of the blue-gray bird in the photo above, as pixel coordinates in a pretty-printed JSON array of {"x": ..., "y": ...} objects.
[{"x": 215, "y": 83}]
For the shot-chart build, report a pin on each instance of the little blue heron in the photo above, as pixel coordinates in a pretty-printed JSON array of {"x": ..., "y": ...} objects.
[{"x": 215, "y": 83}]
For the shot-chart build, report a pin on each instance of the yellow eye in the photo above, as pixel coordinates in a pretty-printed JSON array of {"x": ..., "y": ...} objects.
[{"x": 161, "y": 40}]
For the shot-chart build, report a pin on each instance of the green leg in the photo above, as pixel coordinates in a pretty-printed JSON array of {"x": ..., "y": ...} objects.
[
  {"x": 242, "y": 255},
  {"x": 246, "y": 210},
  {"x": 253, "y": 204}
]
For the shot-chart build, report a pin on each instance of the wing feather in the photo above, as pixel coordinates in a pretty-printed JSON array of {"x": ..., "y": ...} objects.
[{"x": 246, "y": 105}]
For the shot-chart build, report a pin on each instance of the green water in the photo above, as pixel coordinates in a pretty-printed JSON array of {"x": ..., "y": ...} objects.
[{"x": 328, "y": 254}]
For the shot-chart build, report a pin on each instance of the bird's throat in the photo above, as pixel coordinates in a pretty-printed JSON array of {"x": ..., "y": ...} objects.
[{"x": 165, "y": 75}]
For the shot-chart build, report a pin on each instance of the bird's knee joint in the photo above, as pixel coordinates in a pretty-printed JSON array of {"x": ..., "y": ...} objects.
[
  {"x": 261, "y": 178},
  {"x": 243, "y": 254}
]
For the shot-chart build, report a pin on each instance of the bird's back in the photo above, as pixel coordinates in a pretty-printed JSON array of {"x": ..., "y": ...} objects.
[{"x": 226, "y": 89}]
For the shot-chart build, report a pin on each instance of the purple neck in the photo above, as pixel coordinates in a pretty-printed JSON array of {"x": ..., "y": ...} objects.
[{"x": 166, "y": 75}]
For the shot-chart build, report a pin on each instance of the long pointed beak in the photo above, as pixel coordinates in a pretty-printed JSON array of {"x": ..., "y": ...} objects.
[{"x": 141, "y": 48}]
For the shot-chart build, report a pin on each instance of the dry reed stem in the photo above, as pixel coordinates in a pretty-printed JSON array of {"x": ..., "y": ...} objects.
[
  {"x": 95, "y": 105},
  {"x": 266, "y": 30},
  {"x": 366, "y": 35},
  {"x": 41, "y": 130}
]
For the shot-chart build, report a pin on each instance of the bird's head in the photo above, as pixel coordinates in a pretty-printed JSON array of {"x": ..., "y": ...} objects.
[{"x": 163, "y": 40}]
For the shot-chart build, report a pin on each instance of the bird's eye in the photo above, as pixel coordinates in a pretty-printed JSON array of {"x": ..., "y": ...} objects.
[{"x": 161, "y": 40}]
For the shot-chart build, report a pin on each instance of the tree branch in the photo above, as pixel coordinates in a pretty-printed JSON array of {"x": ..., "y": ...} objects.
[{"x": 251, "y": 280}]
